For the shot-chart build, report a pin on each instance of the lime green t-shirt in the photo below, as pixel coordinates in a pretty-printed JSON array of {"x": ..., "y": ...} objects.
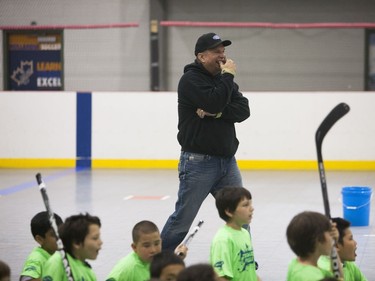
[
  {"x": 54, "y": 269},
  {"x": 130, "y": 268},
  {"x": 350, "y": 269},
  {"x": 35, "y": 262},
  {"x": 352, "y": 272},
  {"x": 302, "y": 272},
  {"x": 232, "y": 254}
]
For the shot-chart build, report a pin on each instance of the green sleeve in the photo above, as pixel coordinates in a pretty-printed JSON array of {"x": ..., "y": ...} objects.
[
  {"x": 34, "y": 263},
  {"x": 352, "y": 272},
  {"x": 54, "y": 269}
]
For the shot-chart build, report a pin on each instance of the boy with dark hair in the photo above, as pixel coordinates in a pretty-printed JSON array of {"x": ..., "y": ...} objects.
[
  {"x": 346, "y": 247},
  {"x": 309, "y": 235},
  {"x": 166, "y": 265},
  {"x": 231, "y": 252},
  {"x": 80, "y": 235},
  {"x": 4, "y": 271},
  {"x": 136, "y": 265},
  {"x": 44, "y": 235},
  {"x": 198, "y": 272}
]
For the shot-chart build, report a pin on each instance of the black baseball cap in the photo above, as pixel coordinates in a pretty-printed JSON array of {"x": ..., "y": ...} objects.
[{"x": 209, "y": 41}]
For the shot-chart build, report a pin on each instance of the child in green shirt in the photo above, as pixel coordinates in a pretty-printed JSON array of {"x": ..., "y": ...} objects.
[
  {"x": 136, "y": 265},
  {"x": 309, "y": 235},
  {"x": 346, "y": 247},
  {"x": 44, "y": 235},
  {"x": 80, "y": 235},
  {"x": 231, "y": 252}
]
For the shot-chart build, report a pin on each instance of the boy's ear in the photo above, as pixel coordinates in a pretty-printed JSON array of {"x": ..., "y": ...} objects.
[
  {"x": 228, "y": 213},
  {"x": 39, "y": 239},
  {"x": 338, "y": 246},
  {"x": 76, "y": 245},
  {"x": 133, "y": 247}
]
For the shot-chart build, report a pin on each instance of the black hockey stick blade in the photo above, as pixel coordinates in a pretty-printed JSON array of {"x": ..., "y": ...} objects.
[
  {"x": 38, "y": 178},
  {"x": 336, "y": 113}
]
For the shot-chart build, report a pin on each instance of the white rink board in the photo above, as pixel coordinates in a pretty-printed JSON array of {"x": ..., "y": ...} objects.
[{"x": 143, "y": 125}]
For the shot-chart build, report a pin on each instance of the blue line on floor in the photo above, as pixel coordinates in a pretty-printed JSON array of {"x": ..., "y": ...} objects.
[{"x": 32, "y": 184}]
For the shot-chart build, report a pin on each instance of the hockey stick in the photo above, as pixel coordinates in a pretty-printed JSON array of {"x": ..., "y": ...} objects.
[
  {"x": 188, "y": 239},
  {"x": 248, "y": 230},
  {"x": 60, "y": 247},
  {"x": 339, "y": 111}
]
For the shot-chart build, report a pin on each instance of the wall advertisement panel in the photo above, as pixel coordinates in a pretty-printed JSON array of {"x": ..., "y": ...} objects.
[{"x": 34, "y": 60}]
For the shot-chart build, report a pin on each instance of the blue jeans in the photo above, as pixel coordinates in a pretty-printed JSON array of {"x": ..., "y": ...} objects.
[{"x": 199, "y": 175}]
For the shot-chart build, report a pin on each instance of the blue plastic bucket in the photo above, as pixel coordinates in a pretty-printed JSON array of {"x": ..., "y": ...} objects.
[{"x": 356, "y": 204}]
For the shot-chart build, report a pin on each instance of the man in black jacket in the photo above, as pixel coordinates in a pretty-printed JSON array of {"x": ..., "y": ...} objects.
[{"x": 209, "y": 104}]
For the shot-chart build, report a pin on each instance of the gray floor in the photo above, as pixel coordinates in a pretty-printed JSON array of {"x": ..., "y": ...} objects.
[{"x": 121, "y": 198}]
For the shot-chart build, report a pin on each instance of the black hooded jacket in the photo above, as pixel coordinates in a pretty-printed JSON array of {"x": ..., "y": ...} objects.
[{"x": 214, "y": 94}]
